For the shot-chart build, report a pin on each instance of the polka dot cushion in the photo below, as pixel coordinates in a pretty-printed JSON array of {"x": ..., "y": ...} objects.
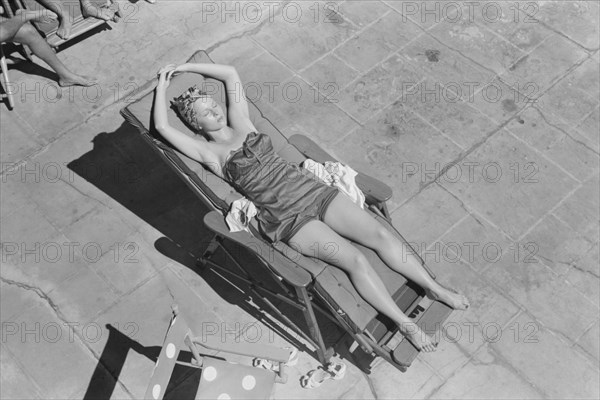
[{"x": 224, "y": 380}]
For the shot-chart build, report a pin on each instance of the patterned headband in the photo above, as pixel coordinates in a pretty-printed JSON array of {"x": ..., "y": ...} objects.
[{"x": 185, "y": 102}]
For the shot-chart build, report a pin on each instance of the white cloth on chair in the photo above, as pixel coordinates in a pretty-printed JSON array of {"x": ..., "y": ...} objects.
[
  {"x": 338, "y": 175},
  {"x": 331, "y": 173},
  {"x": 239, "y": 215}
]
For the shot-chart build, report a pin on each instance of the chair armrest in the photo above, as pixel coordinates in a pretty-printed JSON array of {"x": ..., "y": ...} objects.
[
  {"x": 286, "y": 268},
  {"x": 374, "y": 190}
]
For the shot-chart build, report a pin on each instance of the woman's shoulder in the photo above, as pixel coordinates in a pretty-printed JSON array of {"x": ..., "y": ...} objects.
[{"x": 240, "y": 123}]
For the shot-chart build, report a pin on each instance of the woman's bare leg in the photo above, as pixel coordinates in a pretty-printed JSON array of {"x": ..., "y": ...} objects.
[
  {"x": 336, "y": 250},
  {"x": 10, "y": 26},
  {"x": 354, "y": 223},
  {"x": 27, "y": 34}
]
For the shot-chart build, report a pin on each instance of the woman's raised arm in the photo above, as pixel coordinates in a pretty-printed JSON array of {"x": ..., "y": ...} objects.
[
  {"x": 237, "y": 105},
  {"x": 195, "y": 148}
]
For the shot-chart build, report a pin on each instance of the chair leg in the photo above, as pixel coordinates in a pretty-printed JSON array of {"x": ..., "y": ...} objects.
[
  {"x": 6, "y": 81},
  {"x": 7, "y": 8},
  {"x": 323, "y": 354}
]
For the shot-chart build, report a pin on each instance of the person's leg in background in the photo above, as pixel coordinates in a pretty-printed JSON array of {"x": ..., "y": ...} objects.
[
  {"x": 107, "y": 12},
  {"x": 65, "y": 18},
  {"x": 17, "y": 30}
]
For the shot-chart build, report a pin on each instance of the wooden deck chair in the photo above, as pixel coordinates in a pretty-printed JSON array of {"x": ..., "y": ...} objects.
[
  {"x": 219, "y": 379},
  {"x": 305, "y": 283},
  {"x": 80, "y": 24}
]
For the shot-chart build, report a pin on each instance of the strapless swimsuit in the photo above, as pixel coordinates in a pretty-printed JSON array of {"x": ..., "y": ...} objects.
[{"x": 286, "y": 196}]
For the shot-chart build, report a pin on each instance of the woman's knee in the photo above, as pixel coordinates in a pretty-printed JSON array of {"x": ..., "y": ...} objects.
[
  {"x": 360, "y": 263},
  {"x": 25, "y": 33},
  {"x": 382, "y": 238}
]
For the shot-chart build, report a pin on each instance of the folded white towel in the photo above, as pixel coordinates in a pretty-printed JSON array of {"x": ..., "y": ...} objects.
[
  {"x": 239, "y": 215},
  {"x": 331, "y": 173}
]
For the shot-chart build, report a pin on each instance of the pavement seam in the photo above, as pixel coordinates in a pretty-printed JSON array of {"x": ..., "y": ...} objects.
[
  {"x": 576, "y": 130},
  {"x": 581, "y": 354},
  {"x": 470, "y": 213},
  {"x": 550, "y": 211},
  {"x": 97, "y": 201},
  {"x": 542, "y": 155},
  {"x": 42, "y": 295},
  {"x": 460, "y": 157},
  {"x": 480, "y": 273},
  {"x": 586, "y": 330},
  {"x": 371, "y": 385},
  {"x": 523, "y": 308},
  {"x": 171, "y": 268},
  {"x": 475, "y": 146},
  {"x": 585, "y": 117},
  {"x": 52, "y": 140},
  {"x": 557, "y": 127},
  {"x": 298, "y": 73},
  {"x": 468, "y": 359},
  {"x": 378, "y": 113},
  {"x": 124, "y": 295},
  {"x": 554, "y": 82},
  {"x": 493, "y": 33},
  {"x": 36, "y": 386},
  {"x": 564, "y": 278},
  {"x": 592, "y": 358},
  {"x": 36, "y": 135},
  {"x": 555, "y": 30},
  {"x": 360, "y": 30},
  {"x": 503, "y": 361},
  {"x": 428, "y": 33},
  {"x": 460, "y": 221},
  {"x": 426, "y": 121},
  {"x": 585, "y": 271}
]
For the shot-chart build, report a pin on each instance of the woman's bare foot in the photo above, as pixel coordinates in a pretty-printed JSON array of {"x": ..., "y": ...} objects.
[
  {"x": 64, "y": 25},
  {"x": 76, "y": 80},
  {"x": 37, "y": 15},
  {"x": 106, "y": 13},
  {"x": 449, "y": 297},
  {"x": 418, "y": 338}
]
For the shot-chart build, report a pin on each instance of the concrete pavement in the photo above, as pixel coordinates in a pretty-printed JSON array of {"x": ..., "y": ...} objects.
[{"x": 482, "y": 116}]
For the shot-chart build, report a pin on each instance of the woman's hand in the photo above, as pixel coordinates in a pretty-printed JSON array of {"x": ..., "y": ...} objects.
[
  {"x": 181, "y": 68},
  {"x": 164, "y": 76}
]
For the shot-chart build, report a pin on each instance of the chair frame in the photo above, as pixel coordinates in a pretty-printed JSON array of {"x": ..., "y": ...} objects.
[
  {"x": 8, "y": 95},
  {"x": 299, "y": 288}
]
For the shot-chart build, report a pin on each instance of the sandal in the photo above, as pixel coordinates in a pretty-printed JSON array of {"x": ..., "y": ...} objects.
[
  {"x": 337, "y": 369},
  {"x": 274, "y": 366},
  {"x": 316, "y": 377}
]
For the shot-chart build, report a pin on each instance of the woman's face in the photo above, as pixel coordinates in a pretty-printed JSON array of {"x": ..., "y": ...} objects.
[{"x": 209, "y": 115}]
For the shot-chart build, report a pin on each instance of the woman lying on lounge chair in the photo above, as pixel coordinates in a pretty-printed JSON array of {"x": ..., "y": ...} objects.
[{"x": 292, "y": 207}]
